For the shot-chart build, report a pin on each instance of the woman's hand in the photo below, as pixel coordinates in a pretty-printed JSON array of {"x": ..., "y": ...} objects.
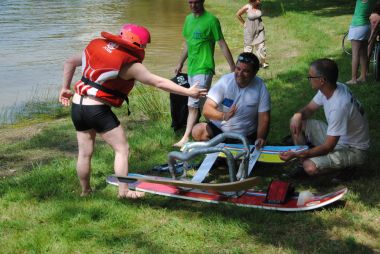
[
  {"x": 65, "y": 96},
  {"x": 197, "y": 92}
]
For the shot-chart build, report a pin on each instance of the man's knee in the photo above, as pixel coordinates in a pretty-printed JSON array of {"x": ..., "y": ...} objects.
[
  {"x": 199, "y": 132},
  {"x": 310, "y": 167},
  {"x": 86, "y": 151}
]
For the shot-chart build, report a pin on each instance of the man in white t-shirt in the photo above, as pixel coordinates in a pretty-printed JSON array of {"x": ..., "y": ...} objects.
[
  {"x": 239, "y": 102},
  {"x": 344, "y": 140}
]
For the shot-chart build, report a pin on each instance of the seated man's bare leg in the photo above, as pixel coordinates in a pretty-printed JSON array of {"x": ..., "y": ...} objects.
[
  {"x": 310, "y": 168},
  {"x": 201, "y": 132},
  {"x": 299, "y": 138}
]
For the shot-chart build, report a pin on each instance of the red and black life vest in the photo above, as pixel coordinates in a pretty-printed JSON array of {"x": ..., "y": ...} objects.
[{"x": 102, "y": 60}]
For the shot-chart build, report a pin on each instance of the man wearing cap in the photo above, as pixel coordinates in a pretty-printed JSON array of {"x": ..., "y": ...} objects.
[
  {"x": 239, "y": 102},
  {"x": 110, "y": 65},
  {"x": 201, "y": 31}
]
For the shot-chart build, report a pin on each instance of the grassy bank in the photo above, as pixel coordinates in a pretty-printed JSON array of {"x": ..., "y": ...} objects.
[{"x": 40, "y": 207}]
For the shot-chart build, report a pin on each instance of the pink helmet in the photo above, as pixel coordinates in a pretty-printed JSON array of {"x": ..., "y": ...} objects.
[{"x": 135, "y": 34}]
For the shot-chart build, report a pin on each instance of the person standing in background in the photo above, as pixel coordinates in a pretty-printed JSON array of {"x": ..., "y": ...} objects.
[
  {"x": 201, "y": 31},
  {"x": 358, "y": 34},
  {"x": 374, "y": 20},
  {"x": 254, "y": 34}
]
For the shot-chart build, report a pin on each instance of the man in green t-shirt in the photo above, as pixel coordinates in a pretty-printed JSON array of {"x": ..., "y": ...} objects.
[{"x": 201, "y": 31}]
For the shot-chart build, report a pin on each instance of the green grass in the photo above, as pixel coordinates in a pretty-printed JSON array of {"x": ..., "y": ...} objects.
[{"x": 40, "y": 207}]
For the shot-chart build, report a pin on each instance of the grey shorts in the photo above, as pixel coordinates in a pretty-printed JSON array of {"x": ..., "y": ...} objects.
[
  {"x": 343, "y": 156},
  {"x": 204, "y": 81},
  {"x": 359, "y": 33}
]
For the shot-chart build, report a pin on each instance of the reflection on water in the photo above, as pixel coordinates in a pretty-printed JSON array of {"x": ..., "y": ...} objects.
[{"x": 37, "y": 36}]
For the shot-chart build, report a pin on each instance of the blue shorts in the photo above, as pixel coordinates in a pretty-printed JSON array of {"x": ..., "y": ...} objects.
[
  {"x": 97, "y": 117},
  {"x": 359, "y": 33}
]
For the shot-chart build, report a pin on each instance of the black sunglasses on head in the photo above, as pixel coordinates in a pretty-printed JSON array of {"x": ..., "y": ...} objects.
[{"x": 246, "y": 59}]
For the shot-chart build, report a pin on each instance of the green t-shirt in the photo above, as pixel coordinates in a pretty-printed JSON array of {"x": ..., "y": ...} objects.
[
  {"x": 201, "y": 33},
  {"x": 363, "y": 9}
]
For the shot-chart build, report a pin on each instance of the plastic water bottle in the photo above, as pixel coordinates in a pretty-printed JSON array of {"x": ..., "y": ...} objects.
[{"x": 304, "y": 197}]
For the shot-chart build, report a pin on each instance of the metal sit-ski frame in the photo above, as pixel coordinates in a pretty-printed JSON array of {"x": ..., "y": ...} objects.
[{"x": 212, "y": 149}]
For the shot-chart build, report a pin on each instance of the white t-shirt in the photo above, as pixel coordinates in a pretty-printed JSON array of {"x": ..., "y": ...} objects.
[
  {"x": 345, "y": 117},
  {"x": 249, "y": 101}
]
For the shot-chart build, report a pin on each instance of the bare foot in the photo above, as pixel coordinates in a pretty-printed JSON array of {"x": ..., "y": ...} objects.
[
  {"x": 360, "y": 80},
  {"x": 86, "y": 193},
  {"x": 180, "y": 143},
  {"x": 129, "y": 194}
]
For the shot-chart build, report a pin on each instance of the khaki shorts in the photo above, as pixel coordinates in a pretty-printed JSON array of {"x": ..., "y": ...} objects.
[
  {"x": 204, "y": 81},
  {"x": 343, "y": 156}
]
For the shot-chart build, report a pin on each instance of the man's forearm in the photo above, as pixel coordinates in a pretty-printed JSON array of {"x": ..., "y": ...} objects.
[
  {"x": 263, "y": 125},
  {"x": 227, "y": 54}
]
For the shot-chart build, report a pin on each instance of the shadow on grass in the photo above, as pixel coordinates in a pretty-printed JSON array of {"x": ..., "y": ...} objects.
[
  {"x": 326, "y": 8},
  {"x": 301, "y": 93},
  {"x": 58, "y": 184},
  {"x": 61, "y": 138},
  {"x": 281, "y": 230}
]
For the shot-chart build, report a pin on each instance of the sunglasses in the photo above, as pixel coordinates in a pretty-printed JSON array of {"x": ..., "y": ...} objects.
[
  {"x": 246, "y": 59},
  {"x": 311, "y": 77}
]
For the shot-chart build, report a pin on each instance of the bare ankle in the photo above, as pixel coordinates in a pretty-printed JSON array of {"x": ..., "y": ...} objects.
[
  {"x": 181, "y": 142},
  {"x": 86, "y": 192}
]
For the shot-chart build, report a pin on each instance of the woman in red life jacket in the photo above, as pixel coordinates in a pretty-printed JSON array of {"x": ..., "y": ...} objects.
[{"x": 110, "y": 65}]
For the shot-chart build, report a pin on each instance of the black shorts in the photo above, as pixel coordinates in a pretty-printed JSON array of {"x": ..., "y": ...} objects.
[
  {"x": 216, "y": 131},
  {"x": 97, "y": 117}
]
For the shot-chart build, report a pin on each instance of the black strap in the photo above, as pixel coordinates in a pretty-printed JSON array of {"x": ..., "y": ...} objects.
[{"x": 106, "y": 90}]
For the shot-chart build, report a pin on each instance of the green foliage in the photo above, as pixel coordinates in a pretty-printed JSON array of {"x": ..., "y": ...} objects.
[
  {"x": 150, "y": 101},
  {"x": 40, "y": 207}
]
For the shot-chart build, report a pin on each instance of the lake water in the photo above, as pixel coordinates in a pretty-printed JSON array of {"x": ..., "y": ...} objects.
[{"x": 37, "y": 36}]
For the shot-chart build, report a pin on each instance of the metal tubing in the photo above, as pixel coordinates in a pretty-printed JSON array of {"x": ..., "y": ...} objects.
[
  {"x": 185, "y": 156},
  {"x": 197, "y": 148},
  {"x": 220, "y": 139}
]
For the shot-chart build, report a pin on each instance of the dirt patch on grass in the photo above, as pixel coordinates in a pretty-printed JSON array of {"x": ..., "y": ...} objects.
[
  {"x": 15, "y": 158},
  {"x": 13, "y": 134}
]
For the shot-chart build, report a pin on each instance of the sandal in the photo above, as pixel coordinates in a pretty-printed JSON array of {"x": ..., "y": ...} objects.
[{"x": 352, "y": 82}]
